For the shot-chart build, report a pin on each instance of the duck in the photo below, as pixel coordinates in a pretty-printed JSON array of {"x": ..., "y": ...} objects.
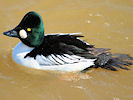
[{"x": 59, "y": 51}]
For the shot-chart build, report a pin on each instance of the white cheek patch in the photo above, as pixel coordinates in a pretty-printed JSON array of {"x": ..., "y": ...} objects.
[{"x": 23, "y": 34}]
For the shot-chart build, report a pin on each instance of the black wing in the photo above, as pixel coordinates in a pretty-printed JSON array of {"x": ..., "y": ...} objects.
[{"x": 61, "y": 44}]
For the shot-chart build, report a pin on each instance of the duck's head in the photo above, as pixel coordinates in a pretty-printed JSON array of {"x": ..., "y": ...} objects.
[{"x": 30, "y": 30}]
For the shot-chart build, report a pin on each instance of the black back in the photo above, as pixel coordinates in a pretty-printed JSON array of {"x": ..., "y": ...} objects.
[{"x": 61, "y": 44}]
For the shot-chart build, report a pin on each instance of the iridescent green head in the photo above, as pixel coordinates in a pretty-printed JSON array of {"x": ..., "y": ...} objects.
[{"x": 30, "y": 30}]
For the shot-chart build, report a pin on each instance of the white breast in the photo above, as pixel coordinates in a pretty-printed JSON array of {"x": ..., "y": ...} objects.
[{"x": 52, "y": 62}]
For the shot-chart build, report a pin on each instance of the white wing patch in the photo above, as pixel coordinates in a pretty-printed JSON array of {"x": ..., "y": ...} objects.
[
  {"x": 64, "y": 62},
  {"x": 58, "y": 59}
]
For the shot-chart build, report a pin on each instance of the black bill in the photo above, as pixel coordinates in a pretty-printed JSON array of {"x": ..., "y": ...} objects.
[{"x": 11, "y": 33}]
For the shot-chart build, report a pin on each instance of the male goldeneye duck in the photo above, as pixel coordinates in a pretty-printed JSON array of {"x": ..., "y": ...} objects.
[{"x": 61, "y": 52}]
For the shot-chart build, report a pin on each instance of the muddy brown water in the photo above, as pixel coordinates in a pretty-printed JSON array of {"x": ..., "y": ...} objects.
[{"x": 104, "y": 23}]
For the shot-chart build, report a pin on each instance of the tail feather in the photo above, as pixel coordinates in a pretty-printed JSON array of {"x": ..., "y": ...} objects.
[
  {"x": 112, "y": 62},
  {"x": 122, "y": 56},
  {"x": 109, "y": 67},
  {"x": 107, "y": 60}
]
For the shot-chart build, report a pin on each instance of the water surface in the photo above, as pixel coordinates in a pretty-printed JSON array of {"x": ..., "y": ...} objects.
[{"x": 104, "y": 23}]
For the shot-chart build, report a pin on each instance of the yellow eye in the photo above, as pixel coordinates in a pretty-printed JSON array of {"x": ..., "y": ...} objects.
[{"x": 29, "y": 29}]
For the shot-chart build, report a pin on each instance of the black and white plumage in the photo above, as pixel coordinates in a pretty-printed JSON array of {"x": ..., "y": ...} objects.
[{"x": 66, "y": 52}]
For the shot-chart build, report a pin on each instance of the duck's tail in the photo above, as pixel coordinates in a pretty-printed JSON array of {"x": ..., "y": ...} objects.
[
  {"x": 110, "y": 61},
  {"x": 113, "y": 61}
]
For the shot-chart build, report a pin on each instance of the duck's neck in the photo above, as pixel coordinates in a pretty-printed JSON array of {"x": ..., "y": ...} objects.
[{"x": 21, "y": 48}]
